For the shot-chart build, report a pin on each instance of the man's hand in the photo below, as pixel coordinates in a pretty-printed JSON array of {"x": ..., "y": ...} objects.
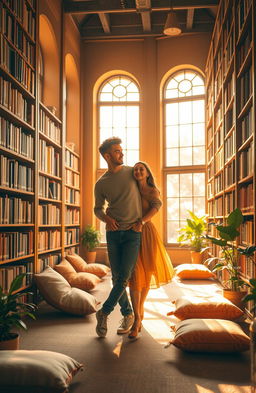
[
  {"x": 137, "y": 227},
  {"x": 111, "y": 224}
]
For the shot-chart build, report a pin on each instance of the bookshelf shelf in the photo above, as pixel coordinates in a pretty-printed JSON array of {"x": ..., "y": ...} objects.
[{"x": 16, "y": 259}]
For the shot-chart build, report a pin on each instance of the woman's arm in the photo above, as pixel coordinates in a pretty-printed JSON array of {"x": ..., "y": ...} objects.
[{"x": 155, "y": 204}]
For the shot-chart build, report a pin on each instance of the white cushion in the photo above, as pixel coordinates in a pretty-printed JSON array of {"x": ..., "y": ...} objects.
[
  {"x": 36, "y": 371},
  {"x": 57, "y": 291}
]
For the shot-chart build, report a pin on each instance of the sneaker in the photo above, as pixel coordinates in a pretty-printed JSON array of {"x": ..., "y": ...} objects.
[
  {"x": 126, "y": 324},
  {"x": 101, "y": 328}
]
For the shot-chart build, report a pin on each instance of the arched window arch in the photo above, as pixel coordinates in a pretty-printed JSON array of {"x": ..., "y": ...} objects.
[
  {"x": 184, "y": 145},
  {"x": 119, "y": 107}
]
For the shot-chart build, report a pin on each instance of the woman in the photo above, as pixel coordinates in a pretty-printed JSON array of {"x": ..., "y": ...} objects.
[{"x": 153, "y": 267}]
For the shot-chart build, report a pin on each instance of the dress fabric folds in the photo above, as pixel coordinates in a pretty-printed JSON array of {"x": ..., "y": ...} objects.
[{"x": 153, "y": 267}]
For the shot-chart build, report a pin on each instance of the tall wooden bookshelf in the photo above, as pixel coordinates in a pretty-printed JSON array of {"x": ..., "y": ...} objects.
[
  {"x": 39, "y": 218},
  {"x": 230, "y": 119},
  {"x": 72, "y": 201}
]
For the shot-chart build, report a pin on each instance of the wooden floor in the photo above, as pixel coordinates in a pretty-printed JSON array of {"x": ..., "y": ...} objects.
[{"x": 115, "y": 364}]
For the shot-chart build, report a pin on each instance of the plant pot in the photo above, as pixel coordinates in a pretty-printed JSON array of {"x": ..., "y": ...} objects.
[
  {"x": 196, "y": 257},
  {"x": 235, "y": 297},
  {"x": 90, "y": 256},
  {"x": 11, "y": 344}
]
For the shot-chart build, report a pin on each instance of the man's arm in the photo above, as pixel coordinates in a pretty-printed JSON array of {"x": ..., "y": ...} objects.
[{"x": 111, "y": 224}]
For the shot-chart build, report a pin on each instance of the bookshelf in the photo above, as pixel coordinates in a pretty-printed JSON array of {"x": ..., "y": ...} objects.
[
  {"x": 72, "y": 201},
  {"x": 17, "y": 139},
  {"x": 230, "y": 120},
  {"x": 39, "y": 174}
]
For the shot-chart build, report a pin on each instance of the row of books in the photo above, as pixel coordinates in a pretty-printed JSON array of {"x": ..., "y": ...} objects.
[
  {"x": 49, "y": 239},
  {"x": 48, "y": 127},
  {"x": 49, "y": 159},
  {"x": 219, "y": 160},
  {"x": 218, "y": 183},
  {"x": 210, "y": 169},
  {"x": 16, "y": 138},
  {"x": 13, "y": 100},
  {"x": 15, "y": 175},
  {"x": 48, "y": 214},
  {"x": 16, "y": 35},
  {"x": 15, "y": 244},
  {"x": 49, "y": 260},
  {"x": 245, "y": 87},
  {"x": 245, "y": 197},
  {"x": 71, "y": 160},
  {"x": 246, "y": 128},
  {"x": 247, "y": 267},
  {"x": 229, "y": 51},
  {"x": 210, "y": 189},
  {"x": 229, "y": 90},
  {"x": 13, "y": 63},
  {"x": 246, "y": 163},
  {"x": 230, "y": 174},
  {"x": 49, "y": 188},
  {"x": 7, "y": 275},
  {"x": 229, "y": 202},
  {"x": 15, "y": 210},
  {"x": 229, "y": 119},
  {"x": 72, "y": 250},
  {"x": 72, "y": 235},
  {"x": 72, "y": 216},
  {"x": 24, "y": 13},
  {"x": 72, "y": 196},
  {"x": 229, "y": 146},
  {"x": 210, "y": 152},
  {"x": 244, "y": 48},
  {"x": 218, "y": 138},
  {"x": 218, "y": 116},
  {"x": 217, "y": 84},
  {"x": 72, "y": 178},
  {"x": 247, "y": 233}
]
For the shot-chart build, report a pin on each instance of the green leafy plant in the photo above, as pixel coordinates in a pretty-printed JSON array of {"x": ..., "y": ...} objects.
[
  {"x": 13, "y": 309},
  {"x": 229, "y": 255},
  {"x": 193, "y": 233},
  {"x": 90, "y": 237}
]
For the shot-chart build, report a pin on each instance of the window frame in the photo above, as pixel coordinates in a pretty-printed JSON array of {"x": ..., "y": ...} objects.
[{"x": 166, "y": 170}]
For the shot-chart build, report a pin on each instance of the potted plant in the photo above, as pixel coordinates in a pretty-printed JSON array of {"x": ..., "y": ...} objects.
[
  {"x": 12, "y": 311},
  {"x": 193, "y": 235},
  {"x": 90, "y": 239},
  {"x": 228, "y": 259}
]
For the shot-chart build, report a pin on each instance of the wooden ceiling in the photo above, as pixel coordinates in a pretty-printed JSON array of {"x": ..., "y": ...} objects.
[{"x": 115, "y": 19}]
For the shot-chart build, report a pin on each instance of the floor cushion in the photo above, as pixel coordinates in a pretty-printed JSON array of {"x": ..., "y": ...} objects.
[
  {"x": 57, "y": 291},
  {"x": 208, "y": 306},
  {"x": 193, "y": 271},
  {"x": 36, "y": 371},
  {"x": 210, "y": 335},
  {"x": 80, "y": 265}
]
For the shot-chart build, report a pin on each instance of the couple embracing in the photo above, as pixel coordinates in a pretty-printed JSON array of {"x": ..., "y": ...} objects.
[{"x": 137, "y": 255}]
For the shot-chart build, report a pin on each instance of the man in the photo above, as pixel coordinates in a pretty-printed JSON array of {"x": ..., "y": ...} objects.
[{"x": 118, "y": 187}]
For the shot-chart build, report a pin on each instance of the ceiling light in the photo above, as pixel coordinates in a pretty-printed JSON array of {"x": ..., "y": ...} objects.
[{"x": 172, "y": 26}]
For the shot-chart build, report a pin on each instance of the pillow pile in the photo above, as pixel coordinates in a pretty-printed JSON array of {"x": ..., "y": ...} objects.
[
  {"x": 193, "y": 271},
  {"x": 36, "y": 371},
  {"x": 215, "y": 306},
  {"x": 80, "y": 265},
  {"x": 58, "y": 292},
  {"x": 85, "y": 281},
  {"x": 210, "y": 335}
]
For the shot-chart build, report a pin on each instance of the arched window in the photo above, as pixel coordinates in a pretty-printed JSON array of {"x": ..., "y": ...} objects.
[
  {"x": 184, "y": 108},
  {"x": 118, "y": 103}
]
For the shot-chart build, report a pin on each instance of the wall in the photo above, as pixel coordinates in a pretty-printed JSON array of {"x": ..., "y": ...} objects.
[{"x": 149, "y": 61}]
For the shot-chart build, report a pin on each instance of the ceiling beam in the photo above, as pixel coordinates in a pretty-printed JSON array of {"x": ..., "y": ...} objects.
[
  {"x": 104, "y": 18},
  {"x": 144, "y": 9},
  {"x": 190, "y": 18},
  {"x": 109, "y": 6}
]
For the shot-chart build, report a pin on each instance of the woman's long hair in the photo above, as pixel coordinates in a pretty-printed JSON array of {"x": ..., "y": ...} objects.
[{"x": 150, "y": 179}]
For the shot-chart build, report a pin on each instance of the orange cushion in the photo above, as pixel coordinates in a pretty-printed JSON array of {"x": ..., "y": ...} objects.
[
  {"x": 193, "y": 271},
  {"x": 214, "y": 306},
  {"x": 85, "y": 281},
  {"x": 77, "y": 262},
  {"x": 80, "y": 265},
  {"x": 210, "y": 335}
]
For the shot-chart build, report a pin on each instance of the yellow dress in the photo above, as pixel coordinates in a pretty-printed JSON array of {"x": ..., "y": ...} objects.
[{"x": 153, "y": 267}]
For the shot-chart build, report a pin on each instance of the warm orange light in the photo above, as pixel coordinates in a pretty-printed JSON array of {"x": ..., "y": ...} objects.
[{"x": 172, "y": 26}]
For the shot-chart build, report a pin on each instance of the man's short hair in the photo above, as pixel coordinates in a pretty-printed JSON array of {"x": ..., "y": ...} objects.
[{"x": 105, "y": 146}]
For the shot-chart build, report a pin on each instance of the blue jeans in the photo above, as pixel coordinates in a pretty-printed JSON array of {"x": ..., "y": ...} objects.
[{"x": 123, "y": 249}]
